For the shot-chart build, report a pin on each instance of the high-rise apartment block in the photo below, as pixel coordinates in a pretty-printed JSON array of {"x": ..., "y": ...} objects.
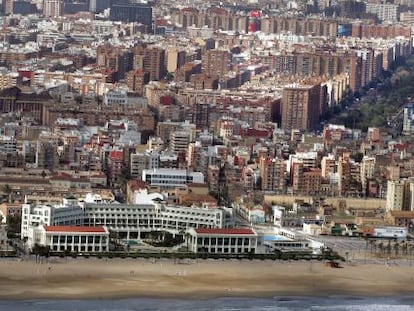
[
  {"x": 400, "y": 195},
  {"x": 272, "y": 173},
  {"x": 300, "y": 106},
  {"x": 150, "y": 59},
  {"x": 130, "y": 13},
  {"x": 216, "y": 62},
  {"x": 175, "y": 58},
  {"x": 386, "y": 12},
  {"x": 408, "y": 123},
  {"x": 52, "y": 8},
  {"x": 116, "y": 59},
  {"x": 136, "y": 80}
]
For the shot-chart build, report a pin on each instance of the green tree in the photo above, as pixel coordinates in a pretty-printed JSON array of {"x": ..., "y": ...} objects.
[
  {"x": 14, "y": 224},
  {"x": 396, "y": 248},
  {"x": 124, "y": 177},
  {"x": 7, "y": 190}
]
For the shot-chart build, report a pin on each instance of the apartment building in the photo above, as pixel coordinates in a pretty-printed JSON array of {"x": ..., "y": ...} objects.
[
  {"x": 216, "y": 63},
  {"x": 52, "y": 8},
  {"x": 300, "y": 106},
  {"x": 400, "y": 195},
  {"x": 136, "y": 80},
  {"x": 150, "y": 59},
  {"x": 408, "y": 123},
  {"x": 272, "y": 173},
  {"x": 171, "y": 178},
  {"x": 386, "y": 12}
]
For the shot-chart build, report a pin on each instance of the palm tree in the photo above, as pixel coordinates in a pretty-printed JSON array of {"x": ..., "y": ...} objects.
[
  {"x": 389, "y": 247},
  {"x": 381, "y": 247},
  {"x": 373, "y": 245},
  {"x": 396, "y": 248},
  {"x": 405, "y": 248}
]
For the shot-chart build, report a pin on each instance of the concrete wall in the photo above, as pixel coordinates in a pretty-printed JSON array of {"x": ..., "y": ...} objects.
[{"x": 287, "y": 200}]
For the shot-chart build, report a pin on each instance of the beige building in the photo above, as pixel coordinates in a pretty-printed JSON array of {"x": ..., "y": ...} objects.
[
  {"x": 300, "y": 106},
  {"x": 8, "y": 79},
  {"x": 272, "y": 173},
  {"x": 398, "y": 195},
  {"x": 175, "y": 58},
  {"x": 328, "y": 165},
  {"x": 367, "y": 170}
]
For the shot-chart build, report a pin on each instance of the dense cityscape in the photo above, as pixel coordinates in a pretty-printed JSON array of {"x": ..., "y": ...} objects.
[{"x": 219, "y": 129}]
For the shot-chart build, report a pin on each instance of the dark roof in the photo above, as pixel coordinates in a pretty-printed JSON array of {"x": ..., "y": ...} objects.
[
  {"x": 10, "y": 92},
  {"x": 17, "y": 93}
]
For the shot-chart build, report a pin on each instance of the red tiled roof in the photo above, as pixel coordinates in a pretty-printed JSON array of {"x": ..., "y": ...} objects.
[
  {"x": 224, "y": 231},
  {"x": 74, "y": 229},
  {"x": 251, "y": 132}
]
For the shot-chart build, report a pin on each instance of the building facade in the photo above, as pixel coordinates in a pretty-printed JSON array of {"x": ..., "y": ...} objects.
[
  {"x": 300, "y": 107},
  {"x": 171, "y": 178},
  {"x": 70, "y": 238},
  {"x": 222, "y": 241},
  {"x": 130, "y": 221}
]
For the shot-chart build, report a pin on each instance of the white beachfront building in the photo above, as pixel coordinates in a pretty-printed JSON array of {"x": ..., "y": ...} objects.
[
  {"x": 70, "y": 238},
  {"x": 222, "y": 241},
  {"x": 69, "y": 212},
  {"x": 168, "y": 178},
  {"x": 130, "y": 221}
]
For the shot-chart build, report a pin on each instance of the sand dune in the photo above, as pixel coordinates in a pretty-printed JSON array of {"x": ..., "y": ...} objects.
[{"x": 116, "y": 278}]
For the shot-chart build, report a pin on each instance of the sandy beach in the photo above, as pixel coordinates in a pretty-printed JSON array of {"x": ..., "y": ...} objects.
[{"x": 124, "y": 278}]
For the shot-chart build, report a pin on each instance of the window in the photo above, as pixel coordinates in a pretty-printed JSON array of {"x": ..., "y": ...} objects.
[{"x": 76, "y": 239}]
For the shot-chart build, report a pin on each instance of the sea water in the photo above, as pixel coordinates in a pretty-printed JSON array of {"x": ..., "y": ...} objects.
[{"x": 219, "y": 304}]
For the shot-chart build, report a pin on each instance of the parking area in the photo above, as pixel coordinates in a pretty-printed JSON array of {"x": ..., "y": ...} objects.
[{"x": 353, "y": 249}]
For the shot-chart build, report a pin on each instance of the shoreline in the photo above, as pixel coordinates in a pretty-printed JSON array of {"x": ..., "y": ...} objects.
[{"x": 202, "y": 279}]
